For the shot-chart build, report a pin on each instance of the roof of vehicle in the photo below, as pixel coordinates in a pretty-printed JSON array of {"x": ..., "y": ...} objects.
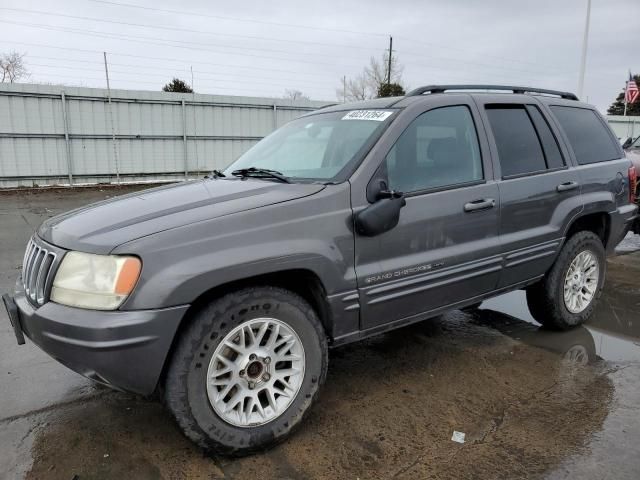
[{"x": 422, "y": 93}]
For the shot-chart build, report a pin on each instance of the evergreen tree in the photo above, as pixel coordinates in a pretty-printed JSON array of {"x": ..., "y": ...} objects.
[
  {"x": 617, "y": 107},
  {"x": 177, "y": 85},
  {"x": 390, "y": 90}
]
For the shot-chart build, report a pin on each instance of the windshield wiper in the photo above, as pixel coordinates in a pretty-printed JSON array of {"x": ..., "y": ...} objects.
[
  {"x": 215, "y": 174},
  {"x": 260, "y": 173}
]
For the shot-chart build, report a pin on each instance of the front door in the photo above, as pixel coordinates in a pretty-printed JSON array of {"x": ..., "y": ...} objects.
[{"x": 445, "y": 248}]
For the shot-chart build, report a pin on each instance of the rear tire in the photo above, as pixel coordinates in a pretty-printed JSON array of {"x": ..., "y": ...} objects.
[
  {"x": 568, "y": 293},
  {"x": 241, "y": 411}
]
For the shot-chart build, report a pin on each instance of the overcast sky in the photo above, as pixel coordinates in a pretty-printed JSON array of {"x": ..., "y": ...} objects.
[{"x": 258, "y": 48}]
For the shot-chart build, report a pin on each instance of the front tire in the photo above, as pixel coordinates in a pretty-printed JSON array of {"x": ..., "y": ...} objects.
[
  {"x": 567, "y": 295},
  {"x": 246, "y": 370}
]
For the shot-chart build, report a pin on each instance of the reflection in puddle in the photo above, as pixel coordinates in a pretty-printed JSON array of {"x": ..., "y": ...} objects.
[{"x": 612, "y": 333}]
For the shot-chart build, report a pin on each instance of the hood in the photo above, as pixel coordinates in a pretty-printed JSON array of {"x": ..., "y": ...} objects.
[{"x": 102, "y": 226}]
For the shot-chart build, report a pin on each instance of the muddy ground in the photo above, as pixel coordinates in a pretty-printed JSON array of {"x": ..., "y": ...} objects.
[{"x": 532, "y": 403}]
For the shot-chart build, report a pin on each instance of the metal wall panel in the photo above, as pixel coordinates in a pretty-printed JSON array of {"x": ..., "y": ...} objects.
[
  {"x": 624, "y": 127},
  {"x": 63, "y": 135}
]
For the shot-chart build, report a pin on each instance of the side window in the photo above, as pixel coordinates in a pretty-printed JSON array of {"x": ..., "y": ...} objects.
[
  {"x": 519, "y": 148},
  {"x": 438, "y": 149},
  {"x": 589, "y": 138},
  {"x": 547, "y": 138}
]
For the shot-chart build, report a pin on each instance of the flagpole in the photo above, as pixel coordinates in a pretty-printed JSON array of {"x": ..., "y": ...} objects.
[
  {"x": 625, "y": 103},
  {"x": 583, "y": 59},
  {"x": 626, "y": 86}
]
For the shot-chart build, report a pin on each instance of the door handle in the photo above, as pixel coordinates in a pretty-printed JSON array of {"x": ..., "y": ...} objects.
[
  {"x": 481, "y": 204},
  {"x": 566, "y": 186}
]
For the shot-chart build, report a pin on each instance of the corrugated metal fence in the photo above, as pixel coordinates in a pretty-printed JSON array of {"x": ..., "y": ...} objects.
[
  {"x": 64, "y": 135},
  {"x": 624, "y": 127},
  {"x": 54, "y": 135}
]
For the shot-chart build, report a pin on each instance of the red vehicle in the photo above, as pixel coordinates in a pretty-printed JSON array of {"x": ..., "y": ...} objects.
[{"x": 632, "y": 149}]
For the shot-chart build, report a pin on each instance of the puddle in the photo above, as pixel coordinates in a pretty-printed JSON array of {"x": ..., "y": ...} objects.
[{"x": 612, "y": 333}]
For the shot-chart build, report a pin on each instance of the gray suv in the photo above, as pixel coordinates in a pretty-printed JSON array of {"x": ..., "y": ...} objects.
[{"x": 224, "y": 294}]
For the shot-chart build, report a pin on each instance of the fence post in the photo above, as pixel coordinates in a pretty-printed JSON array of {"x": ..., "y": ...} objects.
[
  {"x": 184, "y": 139},
  {"x": 66, "y": 137},
  {"x": 275, "y": 116},
  {"x": 113, "y": 128}
]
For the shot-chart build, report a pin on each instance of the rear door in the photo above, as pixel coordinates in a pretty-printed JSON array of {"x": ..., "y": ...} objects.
[
  {"x": 539, "y": 188},
  {"x": 445, "y": 248},
  {"x": 602, "y": 166}
]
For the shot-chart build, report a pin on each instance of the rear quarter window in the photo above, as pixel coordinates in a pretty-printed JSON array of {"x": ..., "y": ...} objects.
[{"x": 588, "y": 136}]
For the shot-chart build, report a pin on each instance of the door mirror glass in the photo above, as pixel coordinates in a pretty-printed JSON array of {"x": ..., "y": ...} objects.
[{"x": 381, "y": 216}]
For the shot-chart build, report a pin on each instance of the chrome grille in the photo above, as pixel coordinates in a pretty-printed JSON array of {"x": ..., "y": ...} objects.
[{"x": 36, "y": 272}]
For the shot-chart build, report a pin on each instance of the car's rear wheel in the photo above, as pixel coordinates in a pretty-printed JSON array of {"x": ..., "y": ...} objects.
[
  {"x": 246, "y": 370},
  {"x": 567, "y": 295}
]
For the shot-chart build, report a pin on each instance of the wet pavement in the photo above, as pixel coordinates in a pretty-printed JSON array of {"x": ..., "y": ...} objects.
[{"x": 532, "y": 403}]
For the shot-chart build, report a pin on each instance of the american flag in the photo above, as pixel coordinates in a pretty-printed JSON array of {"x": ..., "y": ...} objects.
[{"x": 631, "y": 92}]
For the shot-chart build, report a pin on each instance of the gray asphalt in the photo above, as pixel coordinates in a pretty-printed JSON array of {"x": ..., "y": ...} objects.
[{"x": 389, "y": 407}]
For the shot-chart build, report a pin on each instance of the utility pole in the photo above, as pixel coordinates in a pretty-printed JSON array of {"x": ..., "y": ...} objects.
[
  {"x": 195, "y": 125},
  {"x": 389, "y": 66},
  {"x": 344, "y": 89},
  {"x": 585, "y": 40},
  {"x": 113, "y": 131}
]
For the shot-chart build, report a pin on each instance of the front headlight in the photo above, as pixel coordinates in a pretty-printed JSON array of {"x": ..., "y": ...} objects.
[{"x": 98, "y": 282}]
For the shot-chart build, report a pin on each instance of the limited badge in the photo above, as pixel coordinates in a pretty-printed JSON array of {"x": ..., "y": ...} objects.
[{"x": 376, "y": 115}]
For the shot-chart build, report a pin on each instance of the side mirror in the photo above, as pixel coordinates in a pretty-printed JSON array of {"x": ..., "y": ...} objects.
[
  {"x": 382, "y": 215},
  {"x": 627, "y": 143}
]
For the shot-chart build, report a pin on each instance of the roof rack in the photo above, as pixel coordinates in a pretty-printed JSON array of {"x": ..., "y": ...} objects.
[{"x": 443, "y": 88}]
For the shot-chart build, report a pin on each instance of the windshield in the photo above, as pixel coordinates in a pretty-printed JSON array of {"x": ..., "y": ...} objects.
[
  {"x": 636, "y": 143},
  {"x": 317, "y": 147}
]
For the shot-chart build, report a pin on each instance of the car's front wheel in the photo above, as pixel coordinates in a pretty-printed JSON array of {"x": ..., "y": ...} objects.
[
  {"x": 246, "y": 370},
  {"x": 567, "y": 295}
]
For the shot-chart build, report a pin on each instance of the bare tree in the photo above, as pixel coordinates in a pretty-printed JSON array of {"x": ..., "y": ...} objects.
[
  {"x": 367, "y": 84},
  {"x": 295, "y": 95},
  {"x": 354, "y": 89},
  {"x": 377, "y": 71},
  {"x": 12, "y": 67}
]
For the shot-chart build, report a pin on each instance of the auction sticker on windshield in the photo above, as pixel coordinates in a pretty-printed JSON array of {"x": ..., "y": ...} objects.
[{"x": 377, "y": 115}]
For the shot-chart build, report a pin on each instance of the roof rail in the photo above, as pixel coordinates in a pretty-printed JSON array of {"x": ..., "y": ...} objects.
[{"x": 443, "y": 88}]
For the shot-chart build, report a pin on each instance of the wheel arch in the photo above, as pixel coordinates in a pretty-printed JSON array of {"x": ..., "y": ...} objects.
[
  {"x": 303, "y": 282},
  {"x": 597, "y": 222}
]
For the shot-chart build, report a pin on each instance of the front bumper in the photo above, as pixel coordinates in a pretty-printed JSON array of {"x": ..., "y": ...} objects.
[{"x": 123, "y": 349}]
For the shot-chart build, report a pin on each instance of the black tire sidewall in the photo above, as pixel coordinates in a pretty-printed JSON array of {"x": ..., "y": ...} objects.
[
  {"x": 212, "y": 325},
  {"x": 552, "y": 310}
]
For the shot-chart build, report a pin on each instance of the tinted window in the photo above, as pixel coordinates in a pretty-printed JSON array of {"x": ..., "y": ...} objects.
[
  {"x": 548, "y": 140},
  {"x": 519, "y": 149},
  {"x": 439, "y": 148},
  {"x": 589, "y": 138}
]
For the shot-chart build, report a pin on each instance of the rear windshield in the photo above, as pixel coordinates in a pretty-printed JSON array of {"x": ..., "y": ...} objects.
[
  {"x": 316, "y": 147},
  {"x": 589, "y": 137}
]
